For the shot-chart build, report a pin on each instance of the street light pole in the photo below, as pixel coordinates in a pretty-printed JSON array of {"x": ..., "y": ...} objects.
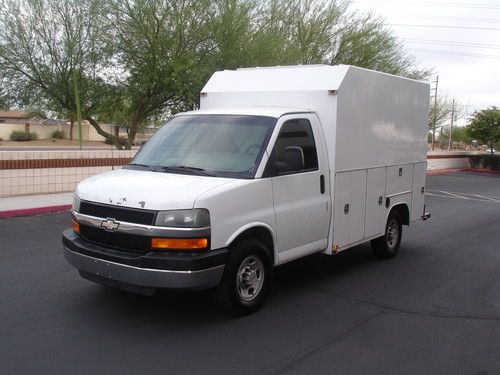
[
  {"x": 435, "y": 113},
  {"x": 451, "y": 124}
]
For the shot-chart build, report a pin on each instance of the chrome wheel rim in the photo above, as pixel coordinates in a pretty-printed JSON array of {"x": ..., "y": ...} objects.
[
  {"x": 392, "y": 235},
  {"x": 250, "y": 278}
]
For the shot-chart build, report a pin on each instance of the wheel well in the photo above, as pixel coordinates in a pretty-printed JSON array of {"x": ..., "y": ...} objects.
[
  {"x": 259, "y": 233},
  {"x": 404, "y": 212}
]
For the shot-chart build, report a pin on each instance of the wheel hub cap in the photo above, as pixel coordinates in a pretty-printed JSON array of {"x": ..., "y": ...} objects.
[
  {"x": 392, "y": 234},
  {"x": 250, "y": 278}
]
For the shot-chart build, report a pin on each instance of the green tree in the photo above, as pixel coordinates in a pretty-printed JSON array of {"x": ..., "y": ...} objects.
[
  {"x": 4, "y": 106},
  {"x": 162, "y": 50},
  {"x": 42, "y": 42},
  {"x": 138, "y": 61},
  {"x": 485, "y": 126},
  {"x": 365, "y": 41}
]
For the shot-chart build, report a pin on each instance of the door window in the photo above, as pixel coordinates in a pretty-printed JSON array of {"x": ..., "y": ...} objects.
[{"x": 294, "y": 150}]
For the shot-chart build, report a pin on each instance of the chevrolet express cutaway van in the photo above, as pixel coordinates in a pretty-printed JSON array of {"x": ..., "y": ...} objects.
[{"x": 277, "y": 164}]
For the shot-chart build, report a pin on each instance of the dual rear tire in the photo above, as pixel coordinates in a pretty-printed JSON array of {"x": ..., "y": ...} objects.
[{"x": 387, "y": 246}]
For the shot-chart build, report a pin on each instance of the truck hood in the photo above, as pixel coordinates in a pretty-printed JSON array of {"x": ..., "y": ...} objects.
[{"x": 146, "y": 189}]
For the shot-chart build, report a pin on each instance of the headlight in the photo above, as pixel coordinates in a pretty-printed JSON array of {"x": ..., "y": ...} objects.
[
  {"x": 195, "y": 218},
  {"x": 76, "y": 204}
]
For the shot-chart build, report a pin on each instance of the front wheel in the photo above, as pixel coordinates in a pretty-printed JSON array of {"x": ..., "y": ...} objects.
[
  {"x": 387, "y": 246},
  {"x": 246, "y": 279}
]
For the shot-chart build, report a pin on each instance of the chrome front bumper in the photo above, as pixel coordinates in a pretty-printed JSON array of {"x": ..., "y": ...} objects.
[{"x": 146, "y": 277}]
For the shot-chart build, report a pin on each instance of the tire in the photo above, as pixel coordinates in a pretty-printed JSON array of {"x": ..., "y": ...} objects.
[
  {"x": 387, "y": 246},
  {"x": 247, "y": 277}
]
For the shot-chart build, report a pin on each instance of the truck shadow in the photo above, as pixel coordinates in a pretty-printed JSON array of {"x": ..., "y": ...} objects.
[{"x": 187, "y": 306}]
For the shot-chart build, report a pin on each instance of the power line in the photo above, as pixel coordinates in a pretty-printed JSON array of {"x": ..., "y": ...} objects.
[
  {"x": 446, "y": 26},
  {"x": 466, "y": 19},
  {"x": 453, "y": 43},
  {"x": 456, "y": 53},
  {"x": 435, "y": 4}
]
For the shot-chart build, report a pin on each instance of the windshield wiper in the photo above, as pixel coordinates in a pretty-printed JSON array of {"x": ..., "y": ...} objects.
[
  {"x": 149, "y": 167},
  {"x": 184, "y": 168}
]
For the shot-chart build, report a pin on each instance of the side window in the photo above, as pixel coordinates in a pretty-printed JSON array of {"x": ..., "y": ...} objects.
[{"x": 294, "y": 150}]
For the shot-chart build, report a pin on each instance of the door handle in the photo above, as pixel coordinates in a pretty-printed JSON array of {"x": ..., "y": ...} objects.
[{"x": 322, "y": 184}]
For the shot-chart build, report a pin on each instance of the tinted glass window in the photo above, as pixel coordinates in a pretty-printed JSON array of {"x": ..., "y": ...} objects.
[{"x": 296, "y": 136}]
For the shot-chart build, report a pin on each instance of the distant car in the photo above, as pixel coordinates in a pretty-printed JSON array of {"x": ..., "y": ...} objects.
[{"x": 488, "y": 150}]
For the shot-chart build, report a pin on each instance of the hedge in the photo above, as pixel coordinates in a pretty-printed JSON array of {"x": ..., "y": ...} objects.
[
  {"x": 20, "y": 136},
  {"x": 58, "y": 134},
  {"x": 485, "y": 161},
  {"x": 121, "y": 140}
]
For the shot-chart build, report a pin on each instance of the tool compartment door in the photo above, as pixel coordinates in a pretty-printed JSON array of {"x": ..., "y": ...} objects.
[
  {"x": 349, "y": 214},
  {"x": 418, "y": 196}
]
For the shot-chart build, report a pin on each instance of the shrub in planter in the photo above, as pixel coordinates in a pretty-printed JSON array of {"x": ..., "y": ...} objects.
[
  {"x": 58, "y": 134},
  {"x": 20, "y": 136},
  {"x": 485, "y": 161}
]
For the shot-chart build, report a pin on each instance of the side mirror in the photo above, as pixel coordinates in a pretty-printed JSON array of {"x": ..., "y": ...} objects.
[{"x": 292, "y": 160}]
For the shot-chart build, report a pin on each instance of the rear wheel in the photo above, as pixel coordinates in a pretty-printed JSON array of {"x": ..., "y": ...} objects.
[
  {"x": 246, "y": 278},
  {"x": 387, "y": 246}
]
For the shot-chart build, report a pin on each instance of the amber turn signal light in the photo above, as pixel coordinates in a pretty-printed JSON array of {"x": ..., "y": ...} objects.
[
  {"x": 75, "y": 226},
  {"x": 179, "y": 244}
]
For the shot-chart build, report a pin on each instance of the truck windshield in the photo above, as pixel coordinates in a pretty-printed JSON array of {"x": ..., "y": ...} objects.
[{"x": 215, "y": 145}]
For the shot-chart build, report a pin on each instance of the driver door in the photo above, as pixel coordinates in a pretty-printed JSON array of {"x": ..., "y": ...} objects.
[{"x": 299, "y": 172}]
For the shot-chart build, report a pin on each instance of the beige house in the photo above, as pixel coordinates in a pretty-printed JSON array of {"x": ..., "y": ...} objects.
[{"x": 13, "y": 117}]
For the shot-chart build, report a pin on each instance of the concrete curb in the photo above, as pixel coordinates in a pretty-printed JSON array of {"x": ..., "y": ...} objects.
[
  {"x": 455, "y": 170},
  {"x": 34, "y": 211}
]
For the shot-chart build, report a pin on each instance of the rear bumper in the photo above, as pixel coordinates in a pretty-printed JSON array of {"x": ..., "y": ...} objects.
[
  {"x": 426, "y": 215},
  {"x": 151, "y": 270}
]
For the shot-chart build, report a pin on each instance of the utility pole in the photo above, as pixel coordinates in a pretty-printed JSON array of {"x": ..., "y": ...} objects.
[
  {"x": 435, "y": 113},
  {"x": 451, "y": 124},
  {"x": 78, "y": 108}
]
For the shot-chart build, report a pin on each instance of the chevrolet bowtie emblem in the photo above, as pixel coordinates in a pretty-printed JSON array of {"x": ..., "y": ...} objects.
[{"x": 110, "y": 224}]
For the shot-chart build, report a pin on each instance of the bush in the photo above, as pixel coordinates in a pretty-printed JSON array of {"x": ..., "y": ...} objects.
[
  {"x": 58, "y": 134},
  {"x": 122, "y": 141},
  {"x": 485, "y": 161},
  {"x": 20, "y": 136}
]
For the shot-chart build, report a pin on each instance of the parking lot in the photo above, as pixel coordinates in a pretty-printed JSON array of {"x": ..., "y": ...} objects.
[{"x": 434, "y": 309}]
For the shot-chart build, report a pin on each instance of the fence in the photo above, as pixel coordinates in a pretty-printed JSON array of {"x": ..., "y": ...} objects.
[{"x": 38, "y": 172}]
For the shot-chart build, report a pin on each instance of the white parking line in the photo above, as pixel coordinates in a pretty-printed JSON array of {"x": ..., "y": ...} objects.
[
  {"x": 453, "y": 194},
  {"x": 479, "y": 198},
  {"x": 497, "y": 198},
  {"x": 485, "y": 197}
]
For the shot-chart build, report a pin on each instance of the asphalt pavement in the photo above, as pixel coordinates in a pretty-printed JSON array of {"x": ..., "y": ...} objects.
[{"x": 434, "y": 309}]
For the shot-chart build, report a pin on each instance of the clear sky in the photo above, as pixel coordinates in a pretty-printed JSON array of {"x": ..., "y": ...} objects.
[{"x": 464, "y": 50}]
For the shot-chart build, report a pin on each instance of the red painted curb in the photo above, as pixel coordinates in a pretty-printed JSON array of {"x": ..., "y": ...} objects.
[
  {"x": 445, "y": 171},
  {"x": 448, "y": 171},
  {"x": 34, "y": 211}
]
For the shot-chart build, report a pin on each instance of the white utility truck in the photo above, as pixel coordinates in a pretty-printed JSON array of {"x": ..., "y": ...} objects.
[{"x": 277, "y": 164}]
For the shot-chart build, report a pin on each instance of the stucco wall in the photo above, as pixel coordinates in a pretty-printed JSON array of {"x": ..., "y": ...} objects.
[{"x": 45, "y": 131}]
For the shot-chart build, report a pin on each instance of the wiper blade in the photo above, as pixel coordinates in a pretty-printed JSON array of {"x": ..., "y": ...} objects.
[
  {"x": 149, "y": 167},
  {"x": 184, "y": 168}
]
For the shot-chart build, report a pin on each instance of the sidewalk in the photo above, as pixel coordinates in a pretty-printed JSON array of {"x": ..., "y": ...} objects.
[{"x": 35, "y": 204}]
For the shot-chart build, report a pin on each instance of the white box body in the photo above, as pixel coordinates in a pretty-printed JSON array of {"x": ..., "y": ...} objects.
[{"x": 375, "y": 133}]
